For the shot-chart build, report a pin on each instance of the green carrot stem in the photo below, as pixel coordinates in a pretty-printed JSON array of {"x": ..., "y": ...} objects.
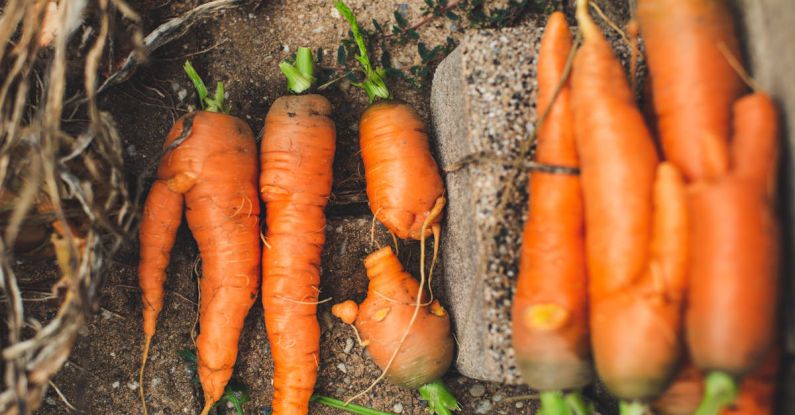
[
  {"x": 440, "y": 400},
  {"x": 207, "y": 103},
  {"x": 352, "y": 408},
  {"x": 553, "y": 403},
  {"x": 720, "y": 390},
  {"x": 373, "y": 82},
  {"x": 577, "y": 404},
  {"x": 632, "y": 408},
  {"x": 300, "y": 74}
]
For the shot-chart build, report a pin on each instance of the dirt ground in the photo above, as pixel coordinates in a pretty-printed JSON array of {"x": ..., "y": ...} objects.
[{"x": 242, "y": 48}]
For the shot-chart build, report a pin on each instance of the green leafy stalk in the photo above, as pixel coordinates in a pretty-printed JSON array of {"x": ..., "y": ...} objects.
[
  {"x": 301, "y": 74},
  {"x": 578, "y": 405},
  {"x": 440, "y": 400},
  {"x": 632, "y": 408},
  {"x": 207, "y": 103},
  {"x": 352, "y": 408},
  {"x": 558, "y": 403},
  {"x": 373, "y": 82},
  {"x": 720, "y": 390}
]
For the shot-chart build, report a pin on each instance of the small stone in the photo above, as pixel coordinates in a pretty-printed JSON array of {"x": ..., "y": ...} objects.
[
  {"x": 483, "y": 407},
  {"x": 398, "y": 408},
  {"x": 342, "y": 367},
  {"x": 156, "y": 381},
  {"x": 133, "y": 385},
  {"x": 335, "y": 13},
  {"x": 497, "y": 398},
  {"x": 519, "y": 404},
  {"x": 477, "y": 390},
  {"x": 182, "y": 94},
  {"x": 131, "y": 150},
  {"x": 115, "y": 385},
  {"x": 348, "y": 345},
  {"x": 403, "y": 10},
  {"x": 50, "y": 401}
]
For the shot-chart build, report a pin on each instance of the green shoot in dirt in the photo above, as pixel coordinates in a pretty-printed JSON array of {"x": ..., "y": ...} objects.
[
  {"x": 559, "y": 403},
  {"x": 211, "y": 104},
  {"x": 352, "y": 408},
  {"x": 235, "y": 392},
  {"x": 720, "y": 390},
  {"x": 633, "y": 408},
  {"x": 373, "y": 82},
  {"x": 300, "y": 75},
  {"x": 440, "y": 400}
]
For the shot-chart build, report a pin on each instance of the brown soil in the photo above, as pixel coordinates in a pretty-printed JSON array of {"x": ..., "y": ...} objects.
[{"x": 242, "y": 48}]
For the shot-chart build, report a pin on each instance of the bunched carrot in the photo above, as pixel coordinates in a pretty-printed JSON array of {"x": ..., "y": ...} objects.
[
  {"x": 734, "y": 254},
  {"x": 635, "y": 221},
  {"x": 550, "y": 318},
  {"x": 694, "y": 85},
  {"x": 413, "y": 345},
  {"x": 210, "y": 162},
  {"x": 297, "y": 155}
]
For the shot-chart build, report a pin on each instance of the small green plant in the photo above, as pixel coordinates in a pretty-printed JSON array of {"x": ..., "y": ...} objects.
[
  {"x": 235, "y": 393},
  {"x": 461, "y": 14}
]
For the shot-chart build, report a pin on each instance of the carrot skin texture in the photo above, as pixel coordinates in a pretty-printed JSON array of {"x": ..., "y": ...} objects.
[
  {"x": 158, "y": 231},
  {"x": 403, "y": 181},
  {"x": 225, "y": 224},
  {"x": 297, "y": 155},
  {"x": 384, "y": 315},
  {"x": 734, "y": 259},
  {"x": 694, "y": 85},
  {"x": 550, "y": 321},
  {"x": 634, "y": 218}
]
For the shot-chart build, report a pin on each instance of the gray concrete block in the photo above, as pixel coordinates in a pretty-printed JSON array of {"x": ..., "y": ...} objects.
[{"x": 482, "y": 101}]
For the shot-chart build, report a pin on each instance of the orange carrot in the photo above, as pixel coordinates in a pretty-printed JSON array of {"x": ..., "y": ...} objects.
[
  {"x": 297, "y": 155},
  {"x": 734, "y": 254},
  {"x": 550, "y": 320},
  {"x": 414, "y": 359},
  {"x": 210, "y": 162},
  {"x": 404, "y": 187},
  {"x": 635, "y": 225},
  {"x": 694, "y": 85}
]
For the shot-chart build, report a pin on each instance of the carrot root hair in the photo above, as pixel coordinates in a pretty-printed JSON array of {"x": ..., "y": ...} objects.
[
  {"x": 144, "y": 357},
  {"x": 436, "y": 229},
  {"x": 207, "y": 407}
]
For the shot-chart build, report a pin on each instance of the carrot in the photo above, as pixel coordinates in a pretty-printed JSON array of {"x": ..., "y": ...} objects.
[
  {"x": 550, "y": 319},
  {"x": 297, "y": 154},
  {"x": 404, "y": 187},
  {"x": 413, "y": 345},
  {"x": 210, "y": 163},
  {"x": 635, "y": 221},
  {"x": 734, "y": 254},
  {"x": 694, "y": 85}
]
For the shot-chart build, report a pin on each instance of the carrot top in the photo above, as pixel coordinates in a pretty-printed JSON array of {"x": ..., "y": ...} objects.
[
  {"x": 210, "y": 104},
  {"x": 300, "y": 74},
  {"x": 373, "y": 82}
]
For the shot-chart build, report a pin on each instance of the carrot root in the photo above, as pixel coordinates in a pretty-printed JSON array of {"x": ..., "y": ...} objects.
[
  {"x": 720, "y": 390},
  {"x": 207, "y": 407},
  {"x": 141, "y": 373},
  {"x": 440, "y": 400}
]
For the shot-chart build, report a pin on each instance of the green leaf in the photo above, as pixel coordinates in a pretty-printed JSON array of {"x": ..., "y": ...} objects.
[
  {"x": 423, "y": 51},
  {"x": 450, "y": 15},
  {"x": 341, "y": 55},
  {"x": 187, "y": 355},
  {"x": 319, "y": 56},
  {"x": 378, "y": 28},
  {"x": 412, "y": 34}
]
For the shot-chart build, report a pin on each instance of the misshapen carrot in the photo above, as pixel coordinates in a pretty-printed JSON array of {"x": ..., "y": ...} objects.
[
  {"x": 211, "y": 163},
  {"x": 404, "y": 187},
  {"x": 382, "y": 319},
  {"x": 635, "y": 227},
  {"x": 297, "y": 155},
  {"x": 550, "y": 319},
  {"x": 694, "y": 85},
  {"x": 734, "y": 254}
]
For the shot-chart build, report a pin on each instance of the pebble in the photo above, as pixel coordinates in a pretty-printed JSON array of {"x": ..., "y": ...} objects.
[
  {"x": 182, "y": 94},
  {"x": 477, "y": 390},
  {"x": 115, "y": 385},
  {"x": 348, "y": 345},
  {"x": 342, "y": 368},
  {"x": 483, "y": 407},
  {"x": 497, "y": 398},
  {"x": 132, "y": 385},
  {"x": 335, "y": 13},
  {"x": 50, "y": 401},
  {"x": 520, "y": 404},
  {"x": 398, "y": 408}
]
